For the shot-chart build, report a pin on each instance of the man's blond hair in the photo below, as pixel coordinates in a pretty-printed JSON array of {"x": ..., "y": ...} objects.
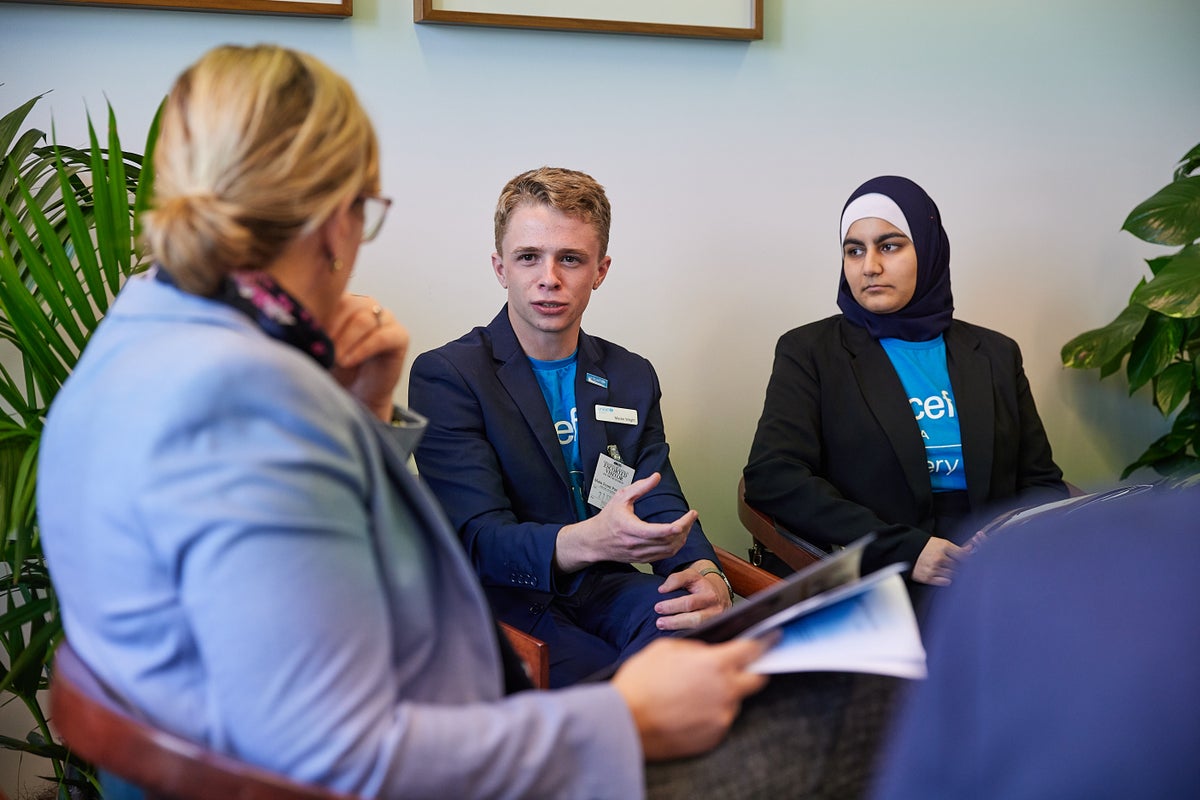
[{"x": 573, "y": 193}]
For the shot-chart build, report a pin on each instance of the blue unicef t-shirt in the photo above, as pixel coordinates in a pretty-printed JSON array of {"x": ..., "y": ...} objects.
[
  {"x": 557, "y": 379},
  {"x": 922, "y": 370}
]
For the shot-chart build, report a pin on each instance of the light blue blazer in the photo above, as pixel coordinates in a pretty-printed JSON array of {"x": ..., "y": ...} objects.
[{"x": 241, "y": 553}]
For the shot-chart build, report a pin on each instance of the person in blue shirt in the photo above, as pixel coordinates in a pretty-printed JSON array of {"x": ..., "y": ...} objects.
[
  {"x": 894, "y": 417},
  {"x": 530, "y": 417}
]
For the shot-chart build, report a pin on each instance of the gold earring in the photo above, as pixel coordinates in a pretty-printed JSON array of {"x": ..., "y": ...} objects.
[{"x": 335, "y": 265}]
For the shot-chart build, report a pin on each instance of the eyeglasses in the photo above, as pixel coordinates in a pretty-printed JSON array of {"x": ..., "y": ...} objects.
[{"x": 375, "y": 208}]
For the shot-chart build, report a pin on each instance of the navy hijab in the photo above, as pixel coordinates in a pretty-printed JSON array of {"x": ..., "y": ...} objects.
[{"x": 931, "y": 308}]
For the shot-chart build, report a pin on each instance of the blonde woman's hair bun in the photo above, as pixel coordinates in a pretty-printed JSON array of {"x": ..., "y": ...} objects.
[{"x": 258, "y": 145}]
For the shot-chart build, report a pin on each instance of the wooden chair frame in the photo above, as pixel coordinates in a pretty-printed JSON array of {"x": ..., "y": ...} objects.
[
  {"x": 98, "y": 728},
  {"x": 792, "y": 549}
]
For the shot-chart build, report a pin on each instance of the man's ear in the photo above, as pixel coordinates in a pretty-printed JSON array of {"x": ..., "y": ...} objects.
[
  {"x": 601, "y": 272},
  {"x": 498, "y": 268}
]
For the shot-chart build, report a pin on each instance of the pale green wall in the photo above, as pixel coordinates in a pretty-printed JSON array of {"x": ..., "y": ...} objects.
[{"x": 1036, "y": 126}]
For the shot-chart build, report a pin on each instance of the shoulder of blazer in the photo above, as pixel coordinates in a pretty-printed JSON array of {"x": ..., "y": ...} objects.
[
  {"x": 965, "y": 335},
  {"x": 822, "y": 332},
  {"x": 478, "y": 348},
  {"x": 594, "y": 350}
]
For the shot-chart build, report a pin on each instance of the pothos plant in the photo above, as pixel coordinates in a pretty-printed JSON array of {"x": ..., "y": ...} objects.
[
  {"x": 68, "y": 241},
  {"x": 1157, "y": 336}
]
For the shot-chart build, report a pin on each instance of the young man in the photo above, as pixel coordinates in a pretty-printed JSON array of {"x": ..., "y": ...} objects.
[{"x": 546, "y": 447}]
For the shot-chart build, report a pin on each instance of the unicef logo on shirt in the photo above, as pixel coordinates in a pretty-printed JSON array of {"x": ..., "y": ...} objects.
[
  {"x": 933, "y": 407},
  {"x": 566, "y": 428}
]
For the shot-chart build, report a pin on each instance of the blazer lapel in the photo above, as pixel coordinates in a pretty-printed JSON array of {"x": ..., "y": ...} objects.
[
  {"x": 397, "y": 445},
  {"x": 971, "y": 379},
  {"x": 884, "y": 394},
  {"x": 593, "y": 436},
  {"x": 516, "y": 375},
  {"x": 453, "y": 572}
]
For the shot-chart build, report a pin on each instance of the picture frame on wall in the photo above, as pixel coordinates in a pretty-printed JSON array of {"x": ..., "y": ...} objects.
[
  {"x": 310, "y": 8},
  {"x": 714, "y": 19}
]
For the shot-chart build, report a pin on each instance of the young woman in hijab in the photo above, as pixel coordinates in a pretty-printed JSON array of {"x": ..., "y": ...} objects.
[{"x": 894, "y": 417}]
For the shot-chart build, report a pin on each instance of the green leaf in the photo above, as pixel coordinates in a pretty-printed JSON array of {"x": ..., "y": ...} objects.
[
  {"x": 1189, "y": 163},
  {"x": 28, "y": 668},
  {"x": 1113, "y": 365},
  {"x": 1170, "y": 216},
  {"x": 1172, "y": 385},
  {"x": 107, "y": 238},
  {"x": 38, "y": 337},
  {"x": 1178, "y": 466},
  {"x": 1156, "y": 265},
  {"x": 17, "y": 163},
  {"x": 72, "y": 283},
  {"x": 1187, "y": 421},
  {"x": 23, "y": 614},
  {"x": 22, "y": 508},
  {"x": 12, "y": 454},
  {"x": 17, "y": 304},
  {"x": 118, "y": 197},
  {"x": 1096, "y": 348},
  {"x": 10, "y": 393},
  {"x": 1164, "y": 449},
  {"x": 11, "y": 122},
  {"x": 1175, "y": 289},
  {"x": 44, "y": 272},
  {"x": 1155, "y": 346},
  {"x": 145, "y": 187},
  {"x": 43, "y": 750}
]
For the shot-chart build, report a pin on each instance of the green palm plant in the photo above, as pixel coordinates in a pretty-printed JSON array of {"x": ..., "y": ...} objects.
[
  {"x": 68, "y": 234},
  {"x": 1157, "y": 336}
]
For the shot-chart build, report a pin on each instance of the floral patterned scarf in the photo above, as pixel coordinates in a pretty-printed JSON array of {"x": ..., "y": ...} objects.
[{"x": 280, "y": 315}]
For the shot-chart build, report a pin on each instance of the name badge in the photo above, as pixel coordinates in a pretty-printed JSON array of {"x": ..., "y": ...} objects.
[
  {"x": 624, "y": 416},
  {"x": 611, "y": 477}
]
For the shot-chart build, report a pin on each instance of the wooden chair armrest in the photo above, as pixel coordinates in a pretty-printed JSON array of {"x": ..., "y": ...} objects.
[
  {"x": 533, "y": 652},
  {"x": 745, "y": 578},
  {"x": 792, "y": 549}
]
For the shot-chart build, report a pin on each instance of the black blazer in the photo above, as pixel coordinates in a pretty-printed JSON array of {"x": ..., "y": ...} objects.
[{"x": 839, "y": 454}]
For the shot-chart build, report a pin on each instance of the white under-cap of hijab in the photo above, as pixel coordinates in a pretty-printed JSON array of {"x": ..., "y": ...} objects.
[{"x": 875, "y": 205}]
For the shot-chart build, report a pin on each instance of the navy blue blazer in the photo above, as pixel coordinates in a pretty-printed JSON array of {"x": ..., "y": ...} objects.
[
  {"x": 1062, "y": 662},
  {"x": 492, "y": 457}
]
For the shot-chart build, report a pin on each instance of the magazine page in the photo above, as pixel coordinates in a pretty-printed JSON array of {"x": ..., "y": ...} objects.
[
  {"x": 872, "y": 629},
  {"x": 841, "y": 568}
]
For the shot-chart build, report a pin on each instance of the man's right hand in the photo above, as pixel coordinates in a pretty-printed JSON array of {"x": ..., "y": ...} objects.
[
  {"x": 617, "y": 534},
  {"x": 685, "y": 694}
]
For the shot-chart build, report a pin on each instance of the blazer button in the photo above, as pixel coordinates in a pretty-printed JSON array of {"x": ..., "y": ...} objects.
[{"x": 536, "y": 608}]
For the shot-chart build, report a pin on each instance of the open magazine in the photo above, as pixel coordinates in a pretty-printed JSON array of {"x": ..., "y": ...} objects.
[
  {"x": 1020, "y": 516},
  {"x": 831, "y": 618}
]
